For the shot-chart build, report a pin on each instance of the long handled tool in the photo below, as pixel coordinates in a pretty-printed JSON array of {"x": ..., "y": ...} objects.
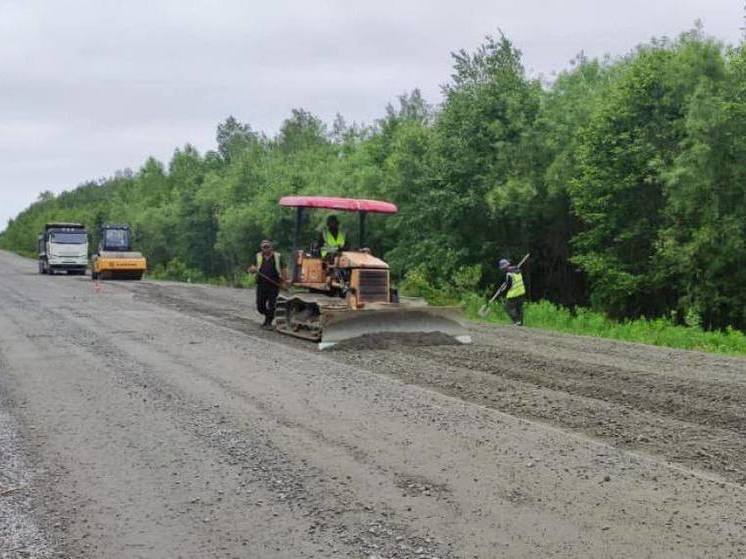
[
  {"x": 485, "y": 309},
  {"x": 270, "y": 280}
]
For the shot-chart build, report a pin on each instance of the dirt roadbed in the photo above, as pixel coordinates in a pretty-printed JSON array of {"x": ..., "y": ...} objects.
[{"x": 151, "y": 419}]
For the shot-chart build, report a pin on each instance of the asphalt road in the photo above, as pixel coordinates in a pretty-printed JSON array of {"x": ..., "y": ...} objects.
[{"x": 151, "y": 419}]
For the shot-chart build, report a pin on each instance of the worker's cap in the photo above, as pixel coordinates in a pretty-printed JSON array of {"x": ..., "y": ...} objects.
[
  {"x": 503, "y": 263},
  {"x": 266, "y": 244}
]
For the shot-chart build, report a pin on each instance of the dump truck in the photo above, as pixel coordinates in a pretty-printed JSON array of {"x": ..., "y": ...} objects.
[
  {"x": 348, "y": 294},
  {"x": 115, "y": 258},
  {"x": 63, "y": 247}
]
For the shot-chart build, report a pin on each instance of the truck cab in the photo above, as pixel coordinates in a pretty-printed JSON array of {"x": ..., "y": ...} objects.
[{"x": 63, "y": 247}]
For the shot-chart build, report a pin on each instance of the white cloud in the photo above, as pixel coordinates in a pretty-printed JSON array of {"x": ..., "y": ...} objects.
[{"x": 89, "y": 87}]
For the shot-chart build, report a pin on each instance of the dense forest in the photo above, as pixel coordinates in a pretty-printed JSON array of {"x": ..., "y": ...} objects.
[{"x": 624, "y": 178}]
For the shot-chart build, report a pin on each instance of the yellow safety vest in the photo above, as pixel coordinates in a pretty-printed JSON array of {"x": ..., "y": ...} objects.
[
  {"x": 331, "y": 242},
  {"x": 516, "y": 285},
  {"x": 260, "y": 259}
]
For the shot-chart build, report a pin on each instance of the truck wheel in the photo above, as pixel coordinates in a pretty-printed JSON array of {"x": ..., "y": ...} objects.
[{"x": 41, "y": 267}]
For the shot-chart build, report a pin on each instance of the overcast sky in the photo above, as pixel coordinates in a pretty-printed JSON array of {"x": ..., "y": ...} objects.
[{"x": 89, "y": 87}]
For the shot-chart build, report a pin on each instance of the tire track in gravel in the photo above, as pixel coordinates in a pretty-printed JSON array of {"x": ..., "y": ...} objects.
[
  {"x": 701, "y": 401},
  {"x": 335, "y": 514},
  {"x": 699, "y": 423},
  {"x": 699, "y": 446},
  {"x": 524, "y": 489},
  {"x": 20, "y": 531}
]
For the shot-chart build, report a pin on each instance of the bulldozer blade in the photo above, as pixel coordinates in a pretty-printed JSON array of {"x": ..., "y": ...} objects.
[{"x": 346, "y": 325}]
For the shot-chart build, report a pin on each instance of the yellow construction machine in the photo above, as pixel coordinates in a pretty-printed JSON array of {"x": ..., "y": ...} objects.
[
  {"x": 344, "y": 294},
  {"x": 115, "y": 258}
]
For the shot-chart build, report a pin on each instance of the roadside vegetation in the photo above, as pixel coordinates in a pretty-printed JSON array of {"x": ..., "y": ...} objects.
[
  {"x": 586, "y": 322},
  {"x": 623, "y": 177},
  {"x": 670, "y": 331}
]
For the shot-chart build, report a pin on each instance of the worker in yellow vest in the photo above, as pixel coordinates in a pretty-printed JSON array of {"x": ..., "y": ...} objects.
[
  {"x": 516, "y": 291},
  {"x": 271, "y": 274},
  {"x": 332, "y": 240}
]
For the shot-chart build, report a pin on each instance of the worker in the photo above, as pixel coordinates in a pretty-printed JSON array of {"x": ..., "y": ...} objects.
[
  {"x": 271, "y": 276},
  {"x": 515, "y": 291},
  {"x": 332, "y": 240}
]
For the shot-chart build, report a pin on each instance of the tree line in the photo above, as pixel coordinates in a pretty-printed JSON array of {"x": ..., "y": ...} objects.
[{"x": 623, "y": 177}]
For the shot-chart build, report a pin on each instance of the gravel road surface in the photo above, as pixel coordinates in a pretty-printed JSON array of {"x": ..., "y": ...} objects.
[{"x": 157, "y": 420}]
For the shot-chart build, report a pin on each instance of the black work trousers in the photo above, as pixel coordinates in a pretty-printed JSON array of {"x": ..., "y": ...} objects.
[
  {"x": 266, "y": 299},
  {"x": 514, "y": 308}
]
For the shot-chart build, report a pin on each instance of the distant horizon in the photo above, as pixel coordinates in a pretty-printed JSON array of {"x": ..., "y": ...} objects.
[{"x": 102, "y": 97}]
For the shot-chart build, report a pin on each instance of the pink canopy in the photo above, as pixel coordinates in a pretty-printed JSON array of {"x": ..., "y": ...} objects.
[{"x": 342, "y": 204}]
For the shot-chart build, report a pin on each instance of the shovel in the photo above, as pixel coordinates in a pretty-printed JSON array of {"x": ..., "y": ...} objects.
[{"x": 485, "y": 309}]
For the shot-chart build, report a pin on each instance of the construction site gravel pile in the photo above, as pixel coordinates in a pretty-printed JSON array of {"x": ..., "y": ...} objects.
[{"x": 154, "y": 419}]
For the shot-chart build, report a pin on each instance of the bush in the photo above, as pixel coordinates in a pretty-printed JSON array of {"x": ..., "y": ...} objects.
[
  {"x": 583, "y": 321},
  {"x": 176, "y": 270},
  {"x": 417, "y": 284}
]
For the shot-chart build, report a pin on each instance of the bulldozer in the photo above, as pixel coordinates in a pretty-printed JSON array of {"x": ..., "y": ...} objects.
[
  {"x": 347, "y": 294},
  {"x": 115, "y": 258}
]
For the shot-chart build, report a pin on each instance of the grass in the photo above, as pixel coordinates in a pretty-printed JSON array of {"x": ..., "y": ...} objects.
[
  {"x": 176, "y": 270},
  {"x": 659, "y": 332}
]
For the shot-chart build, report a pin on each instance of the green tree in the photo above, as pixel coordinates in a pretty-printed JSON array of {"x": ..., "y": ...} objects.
[{"x": 625, "y": 151}]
